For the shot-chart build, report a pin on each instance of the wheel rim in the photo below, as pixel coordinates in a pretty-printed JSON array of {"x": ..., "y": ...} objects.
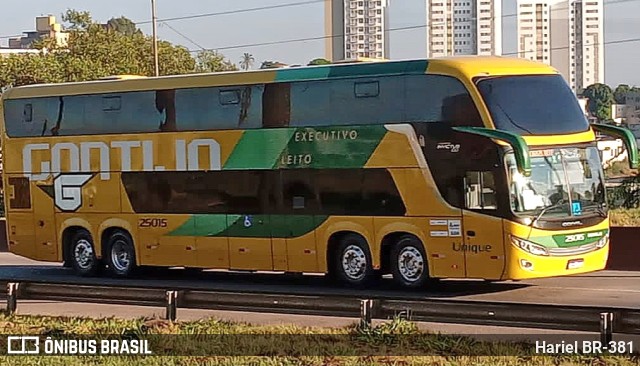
[
  {"x": 83, "y": 254},
  {"x": 120, "y": 256},
  {"x": 411, "y": 264},
  {"x": 354, "y": 262}
]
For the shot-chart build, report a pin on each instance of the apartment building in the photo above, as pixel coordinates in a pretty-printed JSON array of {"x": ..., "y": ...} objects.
[
  {"x": 46, "y": 27},
  {"x": 464, "y": 27},
  {"x": 356, "y": 29},
  {"x": 567, "y": 34}
]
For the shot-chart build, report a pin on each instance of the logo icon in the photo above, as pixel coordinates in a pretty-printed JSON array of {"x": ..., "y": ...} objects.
[
  {"x": 19, "y": 345},
  {"x": 571, "y": 223},
  {"x": 454, "y": 148},
  {"x": 68, "y": 191}
]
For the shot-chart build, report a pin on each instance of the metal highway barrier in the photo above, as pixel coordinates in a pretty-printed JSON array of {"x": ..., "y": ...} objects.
[{"x": 604, "y": 320}]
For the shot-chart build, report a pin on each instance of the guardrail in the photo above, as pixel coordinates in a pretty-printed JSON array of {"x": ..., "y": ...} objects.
[{"x": 606, "y": 321}]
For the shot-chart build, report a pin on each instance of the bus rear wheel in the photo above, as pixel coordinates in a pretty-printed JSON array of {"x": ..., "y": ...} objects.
[
  {"x": 120, "y": 254},
  {"x": 82, "y": 255},
  {"x": 352, "y": 263},
  {"x": 409, "y": 263}
]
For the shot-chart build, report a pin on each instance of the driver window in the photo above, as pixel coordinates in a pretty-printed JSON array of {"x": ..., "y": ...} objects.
[{"x": 480, "y": 191}]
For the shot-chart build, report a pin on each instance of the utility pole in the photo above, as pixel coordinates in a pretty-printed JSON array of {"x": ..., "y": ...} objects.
[{"x": 155, "y": 37}]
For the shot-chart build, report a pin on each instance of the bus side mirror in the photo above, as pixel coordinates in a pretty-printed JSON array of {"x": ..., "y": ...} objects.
[
  {"x": 627, "y": 138},
  {"x": 520, "y": 148}
]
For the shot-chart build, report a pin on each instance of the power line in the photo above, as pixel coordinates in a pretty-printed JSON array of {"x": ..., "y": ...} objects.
[
  {"x": 301, "y": 3},
  {"x": 269, "y": 7},
  {"x": 317, "y": 38},
  {"x": 205, "y": 15},
  {"x": 237, "y": 11},
  {"x": 617, "y": 41},
  {"x": 182, "y": 35},
  {"x": 296, "y": 40}
]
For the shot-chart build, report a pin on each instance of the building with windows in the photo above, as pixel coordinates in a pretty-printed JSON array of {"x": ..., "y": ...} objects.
[
  {"x": 46, "y": 27},
  {"x": 356, "y": 28},
  {"x": 567, "y": 34},
  {"x": 5, "y": 52},
  {"x": 464, "y": 27}
]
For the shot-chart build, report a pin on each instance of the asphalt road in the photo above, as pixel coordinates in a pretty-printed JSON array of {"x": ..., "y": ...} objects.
[{"x": 605, "y": 288}]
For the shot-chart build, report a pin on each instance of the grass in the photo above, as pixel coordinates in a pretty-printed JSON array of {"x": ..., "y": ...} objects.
[
  {"x": 625, "y": 217},
  {"x": 369, "y": 341}
]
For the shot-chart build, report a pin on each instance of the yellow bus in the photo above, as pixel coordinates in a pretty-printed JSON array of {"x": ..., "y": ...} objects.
[{"x": 470, "y": 167}]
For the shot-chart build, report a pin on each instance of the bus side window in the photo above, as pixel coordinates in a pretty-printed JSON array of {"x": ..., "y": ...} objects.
[
  {"x": 460, "y": 110},
  {"x": 276, "y": 105},
  {"x": 368, "y": 89},
  {"x": 480, "y": 191},
  {"x": 300, "y": 194}
]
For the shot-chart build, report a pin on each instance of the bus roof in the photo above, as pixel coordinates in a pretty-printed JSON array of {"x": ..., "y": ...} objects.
[{"x": 461, "y": 66}]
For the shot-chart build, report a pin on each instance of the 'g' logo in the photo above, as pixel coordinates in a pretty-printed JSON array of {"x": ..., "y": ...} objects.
[{"x": 68, "y": 191}]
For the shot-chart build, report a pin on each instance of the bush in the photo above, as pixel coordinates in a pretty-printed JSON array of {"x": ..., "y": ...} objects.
[{"x": 619, "y": 169}]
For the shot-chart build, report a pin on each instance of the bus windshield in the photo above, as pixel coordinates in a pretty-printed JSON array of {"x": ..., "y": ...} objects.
[
  {"x": 563, "y": 182},
  {"x": 533, "y": 105}
]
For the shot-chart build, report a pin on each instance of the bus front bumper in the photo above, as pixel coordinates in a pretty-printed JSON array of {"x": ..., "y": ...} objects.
[{"x": 523, "y": 265}]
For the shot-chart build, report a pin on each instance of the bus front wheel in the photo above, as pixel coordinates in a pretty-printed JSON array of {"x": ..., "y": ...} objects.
[
  {"x": 120, "y": 255},
  {"x": 82, "y": 254},
  {"x": 409, "y": 263}
]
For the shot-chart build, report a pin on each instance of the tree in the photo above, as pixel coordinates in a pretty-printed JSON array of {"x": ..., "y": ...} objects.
[
  {"x": 123, "y": 25},
  {"x": 600, "y": 98},
  {"x": 271, "y": 65},
  {"x": 212, "y": 61},
  {"x": 26, "y": 69},
  {"x": 247, "y": 61},
  {"x": 319, "y": 61},
  {"x": 620, "y": 94},
  {"x": 94, "y": 51},
  {"x": 77, "y": 20}
]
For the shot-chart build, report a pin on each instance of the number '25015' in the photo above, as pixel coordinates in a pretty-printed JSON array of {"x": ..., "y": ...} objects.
[{"x": 147, "y": 222}]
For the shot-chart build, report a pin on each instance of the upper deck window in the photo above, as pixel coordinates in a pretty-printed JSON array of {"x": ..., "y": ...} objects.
[
  {"x": 342, "y": 101},
  {"x": 533, "y": 105}
]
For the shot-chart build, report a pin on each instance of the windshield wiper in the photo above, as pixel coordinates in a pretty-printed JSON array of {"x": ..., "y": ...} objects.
[{"x": 544, "y": 210}]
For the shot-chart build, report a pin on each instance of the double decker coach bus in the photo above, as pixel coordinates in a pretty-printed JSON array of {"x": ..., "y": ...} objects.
[{"x": 478, "y": 167}]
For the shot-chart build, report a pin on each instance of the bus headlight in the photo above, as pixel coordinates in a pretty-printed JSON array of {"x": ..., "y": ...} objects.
[
  {"x": 529, "y": 247},
  {"x": 603, "y": 241}
]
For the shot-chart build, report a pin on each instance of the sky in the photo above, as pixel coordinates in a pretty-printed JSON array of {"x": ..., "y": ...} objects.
[{"x": 234, "y": 34}]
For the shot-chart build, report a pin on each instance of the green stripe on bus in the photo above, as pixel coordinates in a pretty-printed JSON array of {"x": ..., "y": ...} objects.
[
  {"x": 249, "y": 226},
  {"x": 560, "y": 241},
  {"x": 578, "y": 239},
  {"x": 331, "y": 147},
  {"x": 352, "y": 70},
  {"x": 259, "y": 149},
  {"x": 319, "y": 147}
]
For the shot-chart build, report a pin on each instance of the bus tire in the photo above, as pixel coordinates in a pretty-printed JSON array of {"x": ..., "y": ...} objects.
[
  {"x": 352, "y": 263},
  {"x": 409, "y": 265},
  {"x": 82, "y": 254},
  {"x": 120, "y": 254}
]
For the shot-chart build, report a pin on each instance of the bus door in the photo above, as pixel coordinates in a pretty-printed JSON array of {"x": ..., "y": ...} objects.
[
  {"x": 483, "y": 245},
  {"x": 300, "y": 204},
  {"x": 250, "y": 242},
  {"x": 250, "y": 232},
  {"x": 44, "y": 220},
  {"x": 20, "y": 221}
]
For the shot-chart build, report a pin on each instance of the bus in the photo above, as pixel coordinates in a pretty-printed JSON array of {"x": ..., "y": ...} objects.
[{"x": 463, "y": 167}]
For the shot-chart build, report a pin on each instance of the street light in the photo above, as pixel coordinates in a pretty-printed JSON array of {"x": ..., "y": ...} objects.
[{"x": 155, "y": 37}]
